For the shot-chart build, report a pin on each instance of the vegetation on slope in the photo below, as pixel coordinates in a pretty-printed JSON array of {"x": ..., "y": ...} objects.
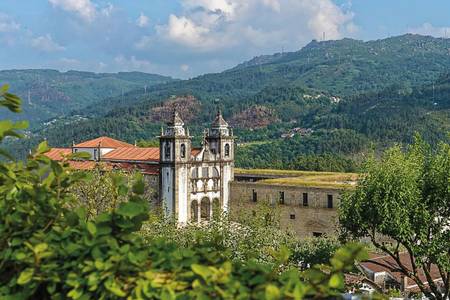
[
  {"x": 347, "y": 95},
  {"x": 48, "y": 250},
  {"x": 49, "y": 94}
]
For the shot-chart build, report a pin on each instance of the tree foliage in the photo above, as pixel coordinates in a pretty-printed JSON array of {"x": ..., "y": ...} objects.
[
  {"x": 49, "y": 250},
  {"x": 351, "y": 93},
  {"x": 406, "y": 197}
]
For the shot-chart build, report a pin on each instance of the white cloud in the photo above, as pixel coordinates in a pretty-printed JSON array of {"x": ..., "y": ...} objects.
[
  {"x": 224, "y": 7},
  {"x": 274, "y": 4},
  {"x": 183, "y": 30},
  {"x": 107, "y": 10},
  {"x": 83, "y": 8},
  {"x": 144, "y": 42},
  {"x": 7, "y": 24},
  {"x": 211, "y": 25},
  {"x": 45, "y": 43},
  {"x": 132, "y": 64},
  {"x": 184, "y": 67},
  {"x": 142, "y": 21},
  {"x": 429, "y": 29}
]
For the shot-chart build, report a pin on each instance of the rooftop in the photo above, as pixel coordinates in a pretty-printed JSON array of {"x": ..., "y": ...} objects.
[
  {"x": 133, "y": 153},
  {"x": 103, "y": 141},
  {"x": 385, "y": 263},
  {"x": 58, "y": 153},
  {"x": 302, "y": 178}
]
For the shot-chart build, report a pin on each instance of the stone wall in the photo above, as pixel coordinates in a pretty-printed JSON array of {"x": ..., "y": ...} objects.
[{"x": 314, "y": 217}]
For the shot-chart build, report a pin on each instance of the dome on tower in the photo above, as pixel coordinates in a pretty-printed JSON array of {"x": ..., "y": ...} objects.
[
  {"x": 175, "y": 126},
  {"x": 219, "y": 121},
  {"x": 219, "y": 126}
]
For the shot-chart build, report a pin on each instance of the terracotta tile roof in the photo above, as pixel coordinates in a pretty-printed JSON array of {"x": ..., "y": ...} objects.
[
  {"x": 134, "y": 153},
  {"x": 195, "y": 151},
  {"x": 56, "y": 153},
  {"x": 385, "y": 263},
  {"x": 84, "y": 165},
  {"x": 105, "y": 142}
]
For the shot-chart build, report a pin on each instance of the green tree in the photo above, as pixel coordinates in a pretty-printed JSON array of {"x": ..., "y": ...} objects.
[
  {"x": 51, "y": 251},
  {"x": 97, "y": 193},
  {"x": 405, "y": 196}
]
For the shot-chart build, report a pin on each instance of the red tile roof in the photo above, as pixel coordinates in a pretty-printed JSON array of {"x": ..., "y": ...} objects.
[
  {"x": 196, "y": 151},
  {"x": 135, "y": 154},
  {"x": 57, "y": 153},
  {"x": 385, "y": 263},
  {"x": 104, "y": 141},
  {"x": 84, "y": 165}
]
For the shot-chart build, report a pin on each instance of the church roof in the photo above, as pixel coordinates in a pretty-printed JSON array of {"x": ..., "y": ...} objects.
[
  {"x": 133, "y": 153},
  {"x": 219, "y": 121},
  {"x": 104, "y": 142},
  {"x": 57, "y": 153},
  {"x": 196, "y": 151}
]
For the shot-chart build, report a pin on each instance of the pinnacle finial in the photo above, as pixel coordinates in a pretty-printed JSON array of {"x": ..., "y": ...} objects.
[
  {"x": 176, "y": 119},
  {"x": 219, "y": 121}
]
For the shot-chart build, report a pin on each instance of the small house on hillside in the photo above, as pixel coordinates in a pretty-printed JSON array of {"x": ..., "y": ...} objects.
[{"x": 384, "y": 271}]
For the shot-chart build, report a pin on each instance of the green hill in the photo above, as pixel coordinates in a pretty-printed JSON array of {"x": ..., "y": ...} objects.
[
  {"x": 328, "y": 102},
  {"x": 48, "y": 94}
]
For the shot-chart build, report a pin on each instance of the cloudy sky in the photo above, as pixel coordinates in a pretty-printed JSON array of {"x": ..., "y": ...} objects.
[{"x": 185, "y": 38}]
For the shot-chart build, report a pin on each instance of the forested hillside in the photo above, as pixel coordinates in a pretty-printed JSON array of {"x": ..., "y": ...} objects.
[
  {"x": 49, "y": 93},
  {"x": 322, "y": 107}
]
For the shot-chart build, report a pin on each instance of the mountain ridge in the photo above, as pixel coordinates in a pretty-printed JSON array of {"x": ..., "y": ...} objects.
[
  {"x": 49, "y": 93},
  {"x": 342, "y": 94}
]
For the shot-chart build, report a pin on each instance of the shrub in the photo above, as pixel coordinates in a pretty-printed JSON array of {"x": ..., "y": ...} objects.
[{"x": 49, "y": 251}]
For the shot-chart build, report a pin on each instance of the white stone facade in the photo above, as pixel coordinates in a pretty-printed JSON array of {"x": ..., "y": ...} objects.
[{"x": 195, "y": 183}]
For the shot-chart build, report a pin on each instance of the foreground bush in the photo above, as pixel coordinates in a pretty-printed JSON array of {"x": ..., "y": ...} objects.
[{"x": 50, "y": 251}]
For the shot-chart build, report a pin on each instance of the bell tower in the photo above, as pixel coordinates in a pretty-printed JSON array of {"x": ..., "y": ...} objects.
[
  {"x": 221, "y": 143},
  {"x": 174, "y": 157}
]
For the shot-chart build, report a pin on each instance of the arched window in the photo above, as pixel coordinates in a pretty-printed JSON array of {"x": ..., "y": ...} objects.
[
  {"x": 194, "y": 211},
  {"x": 215, "y": 172},
  {"x": 205, "y": 209},
  {"x": 183, "y": 150},
  {"x": 227, "y": 150},
  {"x": 167, "y": 150}
]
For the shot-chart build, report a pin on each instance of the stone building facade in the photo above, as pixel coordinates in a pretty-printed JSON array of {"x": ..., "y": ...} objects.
[
  {"x": 307, "y": 211},
  {"x": 195, "y": 181}
]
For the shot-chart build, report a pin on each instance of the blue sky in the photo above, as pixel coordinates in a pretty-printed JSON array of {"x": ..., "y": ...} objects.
[{"x": 185, "y": 38}]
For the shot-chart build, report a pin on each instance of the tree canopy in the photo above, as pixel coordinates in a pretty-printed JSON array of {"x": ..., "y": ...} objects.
[
  {"x": 405, "y": 198},
  {"x": 49, "y": 250}
]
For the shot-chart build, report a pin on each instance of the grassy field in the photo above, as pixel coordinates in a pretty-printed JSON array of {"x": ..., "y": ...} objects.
[{"x": 305, "y": 178}]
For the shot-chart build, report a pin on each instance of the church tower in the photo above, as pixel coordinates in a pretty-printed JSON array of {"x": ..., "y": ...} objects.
[
  {"x": 175, "y": 150},
  {"x": 221, "y": 143}
]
